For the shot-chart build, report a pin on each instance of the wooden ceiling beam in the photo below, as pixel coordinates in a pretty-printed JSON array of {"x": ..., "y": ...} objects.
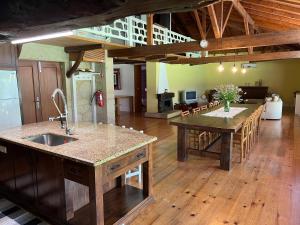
[
  {"x": 239, "y": 7},
  {"x": 73, "y": 49},
  {"x": 273, "y": 16},
  {"x": 240, "y": 58},
  {"x": 227, "y": 17},
  {"x": 275, "y": 4},
  {"x": 236, "y": 42},
  {"x": 271, "y": 10},
  {"x": 199, "y": 24},
  {"x": 214, "y": 21}
]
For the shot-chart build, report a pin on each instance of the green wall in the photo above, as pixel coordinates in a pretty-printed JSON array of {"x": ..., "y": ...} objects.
[{"x": 282, "y": 77}]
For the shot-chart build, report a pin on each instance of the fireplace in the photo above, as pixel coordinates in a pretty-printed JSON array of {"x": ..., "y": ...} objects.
[{"x": 165, "y": 102}]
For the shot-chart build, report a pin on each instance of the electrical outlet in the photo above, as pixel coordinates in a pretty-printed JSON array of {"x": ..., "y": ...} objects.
[{"x": 3, "y": 149}]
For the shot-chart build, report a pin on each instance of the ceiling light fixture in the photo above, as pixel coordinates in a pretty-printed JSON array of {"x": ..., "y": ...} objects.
[
  {"x": 244, "y": 71},
  {"x": 203, "y": 43},
  {"x": 221, "y": 67},
  {"x": 42, "y": 37}
]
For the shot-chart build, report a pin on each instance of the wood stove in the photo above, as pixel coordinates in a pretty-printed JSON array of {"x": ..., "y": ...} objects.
[{"x": 165, "y": 102}]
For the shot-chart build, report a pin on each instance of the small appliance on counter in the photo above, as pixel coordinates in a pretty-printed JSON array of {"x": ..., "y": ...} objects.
[{"x": 10, "y": 115}]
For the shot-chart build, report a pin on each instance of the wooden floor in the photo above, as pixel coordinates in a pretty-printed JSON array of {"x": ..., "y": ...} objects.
[{"x": 264, "y": 190}]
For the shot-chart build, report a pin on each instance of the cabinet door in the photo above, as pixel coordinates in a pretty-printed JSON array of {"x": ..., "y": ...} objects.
[
  {"x": 7, "y": 177},
  {"x": 7, "y": 56},
  {"x": 50, "y": 186},
  {"x": 24, "y": 175}
]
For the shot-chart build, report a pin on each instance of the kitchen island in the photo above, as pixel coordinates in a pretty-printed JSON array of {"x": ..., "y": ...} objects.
[{"x": 80, "y": 182}]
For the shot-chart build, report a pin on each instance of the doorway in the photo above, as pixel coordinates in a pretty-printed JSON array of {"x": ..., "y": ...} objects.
[
  {"x": 37, "y": 81},
  {"x": 140, "y": 96}
]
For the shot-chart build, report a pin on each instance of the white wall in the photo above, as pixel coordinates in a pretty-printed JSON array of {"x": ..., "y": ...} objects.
[{"x": 127, "y": 85}]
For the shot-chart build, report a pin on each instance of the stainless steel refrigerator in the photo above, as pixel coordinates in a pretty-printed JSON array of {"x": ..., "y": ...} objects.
[{"x": 10, "y": 115}]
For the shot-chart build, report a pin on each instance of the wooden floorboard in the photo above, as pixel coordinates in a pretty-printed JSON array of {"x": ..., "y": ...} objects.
[{"x": 264, "y": 190}]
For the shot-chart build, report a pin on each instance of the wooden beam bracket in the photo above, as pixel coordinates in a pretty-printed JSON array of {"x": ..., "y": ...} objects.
[{"x": 76, "y": 64}]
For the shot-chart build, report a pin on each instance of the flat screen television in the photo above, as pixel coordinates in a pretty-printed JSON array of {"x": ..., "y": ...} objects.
[{"x": 188, "y": 96}]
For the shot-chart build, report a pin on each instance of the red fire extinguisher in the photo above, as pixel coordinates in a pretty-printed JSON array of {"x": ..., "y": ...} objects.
[{"x": 98, "y": 95}]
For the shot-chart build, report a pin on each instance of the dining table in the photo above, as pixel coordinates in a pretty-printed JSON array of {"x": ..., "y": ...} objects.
[{"x": 214, "y": 120}]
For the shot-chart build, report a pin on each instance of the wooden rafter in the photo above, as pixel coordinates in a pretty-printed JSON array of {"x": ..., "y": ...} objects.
[
  {"x": 238, "y": 6},
  {"x": 237, "y": 42},
  {"x": 227, "y": 18},
  {"x": 214, "y": 21},
  {"x": 240, "y": 58},
  {"x": 199, "y": 25}
]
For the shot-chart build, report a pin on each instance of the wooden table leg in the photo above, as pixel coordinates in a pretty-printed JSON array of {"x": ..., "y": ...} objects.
[
  {"x": 147, "y": 174},
  {"x": 226, "y": 150},
  {"x": 182, "y": 144},
  {"x": 96, "y": 196}
]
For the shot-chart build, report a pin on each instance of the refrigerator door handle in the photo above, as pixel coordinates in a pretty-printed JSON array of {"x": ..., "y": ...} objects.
[{"x": 37, "y": 103}]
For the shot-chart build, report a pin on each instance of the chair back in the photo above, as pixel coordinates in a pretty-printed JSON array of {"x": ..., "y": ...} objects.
[
  {"x": 196, "y": 110},
  {"x": 203, "y": 107},
  {"x": 216, "y": 103},
  {"x": 185, "y": 113}
]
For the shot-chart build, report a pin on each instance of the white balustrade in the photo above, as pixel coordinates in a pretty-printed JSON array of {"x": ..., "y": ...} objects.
[{"x": 132, "y": 31}]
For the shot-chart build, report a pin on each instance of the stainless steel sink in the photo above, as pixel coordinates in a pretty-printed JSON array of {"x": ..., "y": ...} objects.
[{"x": 50, "y": 139}]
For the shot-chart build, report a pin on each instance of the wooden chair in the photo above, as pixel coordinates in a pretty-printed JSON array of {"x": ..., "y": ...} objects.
[
  {"x": 196, "y": 110},
  {"x": 216, "y": 103},
  {"x": 196, "y": 138},
  {"x": 203, "y": 107},
  {"x": 185, "y": 113},
  {"x": 250, "y": 132},
  {"x": 240, "y": 139}
]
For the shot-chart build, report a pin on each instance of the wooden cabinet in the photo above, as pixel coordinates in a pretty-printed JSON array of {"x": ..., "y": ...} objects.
[
  {"x": 7, "y": 176},
  {"x": 7, "y": 56},
  {"x": 24, "y": 174},
  {"x": 50, "y": 186}
]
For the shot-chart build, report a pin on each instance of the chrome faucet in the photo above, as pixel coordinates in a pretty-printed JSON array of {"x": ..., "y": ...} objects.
[{"x": 62, "y": 116}]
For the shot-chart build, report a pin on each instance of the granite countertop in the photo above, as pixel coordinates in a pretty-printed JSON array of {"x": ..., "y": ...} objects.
[{"x": 96, "y": 144}]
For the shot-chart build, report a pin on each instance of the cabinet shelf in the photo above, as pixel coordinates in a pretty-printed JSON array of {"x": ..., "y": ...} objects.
[{"x": 119, "y": 201}]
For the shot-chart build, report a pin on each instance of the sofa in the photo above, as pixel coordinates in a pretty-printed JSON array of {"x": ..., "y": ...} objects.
[{"x": 273, "y": 110}]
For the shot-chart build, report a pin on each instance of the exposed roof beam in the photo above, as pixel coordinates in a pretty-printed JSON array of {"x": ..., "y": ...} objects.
[
  {"x": 199, "y": 24},
  {"x": 238, "y": 6},
  {"x": 240, "y": 58},
  {"x": 244, "y": 41},
  {"x": 214, "y": 21},
  {"x": 227, "y": 17},
  {"x": 276, "y": 4}
]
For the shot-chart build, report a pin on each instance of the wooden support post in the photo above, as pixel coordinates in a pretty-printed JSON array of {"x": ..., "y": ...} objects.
[
  {"x": 182, "y": 144},
  {"x": 150, "y": 29},
  {"x": 226, "y": 151},
  {"x": 96, "y": 196}
]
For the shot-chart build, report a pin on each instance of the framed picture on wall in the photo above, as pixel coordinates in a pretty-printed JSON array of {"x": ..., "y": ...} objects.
[{"x": 117, "y": 79}]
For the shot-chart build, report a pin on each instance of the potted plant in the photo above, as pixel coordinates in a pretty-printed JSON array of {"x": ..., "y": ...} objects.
[{"x": 227, "y": 93}]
